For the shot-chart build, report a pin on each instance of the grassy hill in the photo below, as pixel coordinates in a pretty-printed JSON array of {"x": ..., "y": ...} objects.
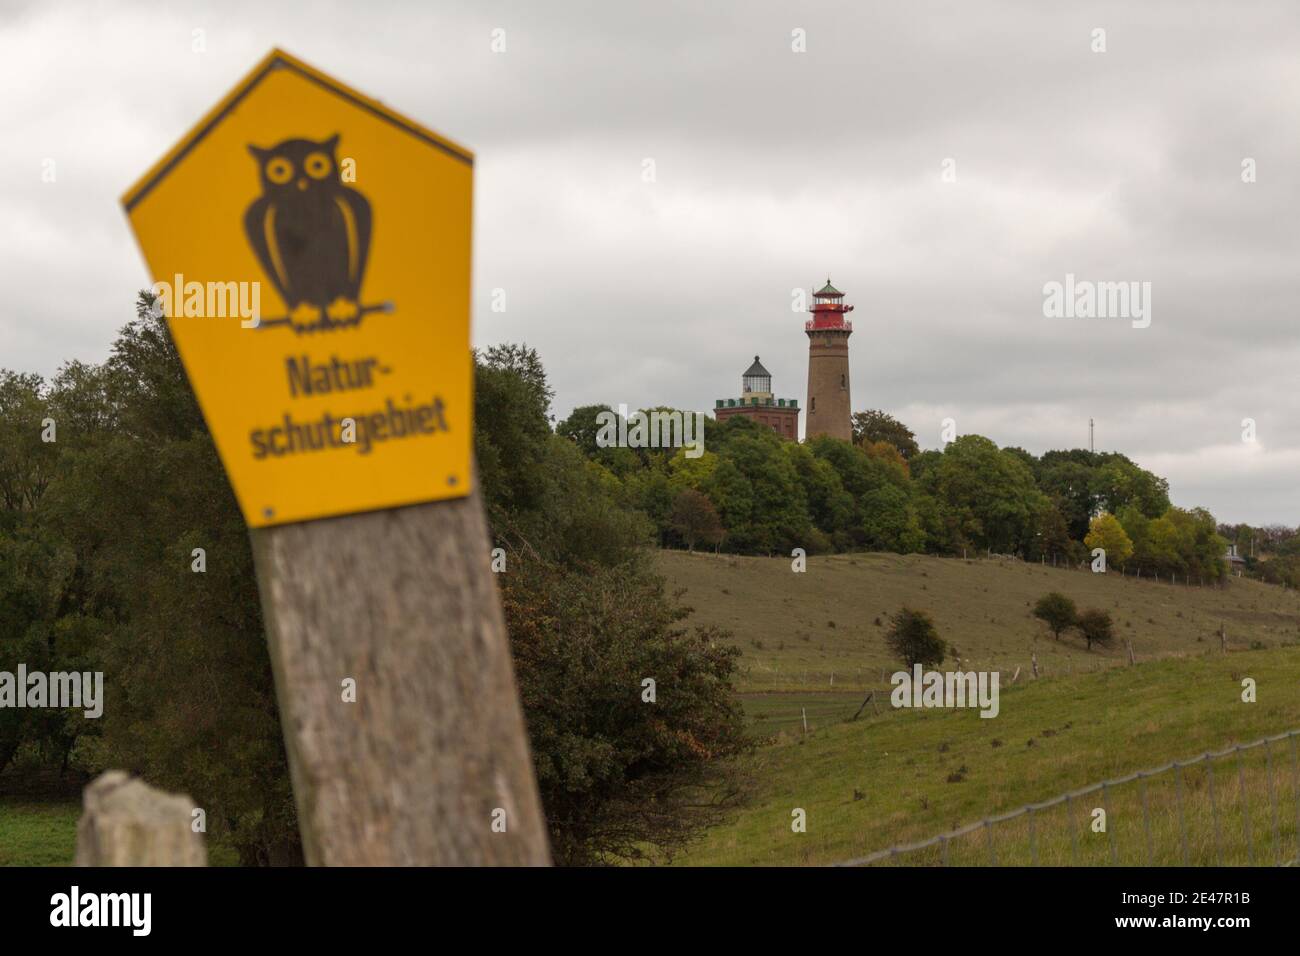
[
  {"x": 813, "y": 642},
  {"x": 799, "y": 630},
  {"x": 907, "y": 775}
]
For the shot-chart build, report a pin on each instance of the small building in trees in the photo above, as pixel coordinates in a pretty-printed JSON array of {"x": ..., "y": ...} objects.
[{"x": 758, "y": 402}]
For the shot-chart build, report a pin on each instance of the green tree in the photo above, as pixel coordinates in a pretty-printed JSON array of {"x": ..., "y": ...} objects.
[
  {"x": 1057, "y": 611},
  {"x": 621, "y": 774},
  {"x": 511, "y": 431},
  {"x": 830, "y": 507},
  {"x": 914, "y": 639},
  {"x": 127, "y": 506},
  {"x": 874, "y": 425},
  {"x": 1095, "y": 627},
  {"x": 987, "y": 494}
]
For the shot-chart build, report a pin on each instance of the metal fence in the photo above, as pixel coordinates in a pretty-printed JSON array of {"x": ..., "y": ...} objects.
[{"x": 1230, "y": 807}]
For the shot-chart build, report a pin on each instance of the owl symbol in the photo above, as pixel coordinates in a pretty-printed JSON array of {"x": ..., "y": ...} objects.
[{"x": 311, "y": 234}]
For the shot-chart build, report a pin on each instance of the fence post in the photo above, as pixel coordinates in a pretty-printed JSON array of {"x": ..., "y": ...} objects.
[{"x": 126, "y": 822}]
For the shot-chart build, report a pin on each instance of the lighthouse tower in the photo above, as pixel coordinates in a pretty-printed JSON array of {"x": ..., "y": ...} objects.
[{"x": 829, "y": 411}]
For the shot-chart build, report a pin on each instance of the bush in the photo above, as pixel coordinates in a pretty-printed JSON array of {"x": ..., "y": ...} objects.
[
  {"x": 914, "y": 639},
  {"x": 1095, "y": 627},
  {"x": 620, "y": 775},
  {"x": 1057, "y": 611}
]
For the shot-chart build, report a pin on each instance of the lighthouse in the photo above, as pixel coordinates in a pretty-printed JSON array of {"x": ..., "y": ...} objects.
[{"x": 829, "y": 411}]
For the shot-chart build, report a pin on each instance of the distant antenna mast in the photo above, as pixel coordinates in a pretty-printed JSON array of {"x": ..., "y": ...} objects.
[{"x": 1090, "y": 446}]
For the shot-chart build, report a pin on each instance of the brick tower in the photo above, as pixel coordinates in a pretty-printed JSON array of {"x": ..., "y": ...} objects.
[
  {"x": 758, "y": 403},
  {"x": 829, "y": 411}
]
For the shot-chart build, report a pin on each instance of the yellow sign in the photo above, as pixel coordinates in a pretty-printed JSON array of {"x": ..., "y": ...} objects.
[{"x": 311, "y": 251}]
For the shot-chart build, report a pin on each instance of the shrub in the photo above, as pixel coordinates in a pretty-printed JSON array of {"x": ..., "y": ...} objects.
[
  {"x": 1057, "y": 611},
  {"x": 1095, "y": 627},
  {"x": 913, "y": 637}
]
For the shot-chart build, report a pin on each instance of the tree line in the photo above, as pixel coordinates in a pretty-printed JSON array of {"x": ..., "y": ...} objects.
[{"x": 752, "y": 492}]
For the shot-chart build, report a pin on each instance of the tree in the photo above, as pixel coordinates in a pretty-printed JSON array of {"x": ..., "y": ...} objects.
[
  {"x": 1069, "y": 479},
  {"x": 914, "y": 639},
  {"x": 1096, "y": 627},
  {"x": 625, "y": 768},
  {"x": 123, "y": 509},
  {"x": 1107, "y": 533},
  {"x": 1057, "y": 611},
  {"x": 511, "y": 430},
  {"x": 695, "y": 518},
  {"x": 582, "y": 427},
  {"x": 987, "y": 495},
  {"x": 876, "y": 426},
  {"x": 1053, "y": 536}
]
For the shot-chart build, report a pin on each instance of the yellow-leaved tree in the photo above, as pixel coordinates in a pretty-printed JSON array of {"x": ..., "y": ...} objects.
[{"x": 1105, "y": 532}]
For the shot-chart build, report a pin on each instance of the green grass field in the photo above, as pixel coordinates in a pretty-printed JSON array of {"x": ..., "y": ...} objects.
[
  {"x": 38, "y": 832},
  {"x": 813, "y": 644},
  {"x": 907, "y": 775}
]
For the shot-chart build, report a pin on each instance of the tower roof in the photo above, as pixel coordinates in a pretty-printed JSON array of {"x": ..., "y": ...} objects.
[
  {"x": 757, "y": 369},
  {"x": 828, "y": 289}
]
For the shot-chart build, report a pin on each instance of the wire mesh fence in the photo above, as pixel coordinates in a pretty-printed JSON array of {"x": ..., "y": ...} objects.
[{"x": 1239, "y": 806}]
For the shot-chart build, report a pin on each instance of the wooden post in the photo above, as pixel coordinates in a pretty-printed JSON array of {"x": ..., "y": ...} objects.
[
  {"x": 870, "y": 697},
  {"x": 804, "y": 711},
  {"x": 431, "y": 761},
  {"x": 1223, "y": 638},
  {"x": 1033, "y": 662},
  {"x": 125, "y": 822},
  {"x": 1130, "y": 653}
]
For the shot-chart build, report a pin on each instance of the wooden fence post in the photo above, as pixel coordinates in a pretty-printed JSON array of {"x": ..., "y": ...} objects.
[
  {"x": 429, "y": 765},
  {"x": 126, "y": 822}
]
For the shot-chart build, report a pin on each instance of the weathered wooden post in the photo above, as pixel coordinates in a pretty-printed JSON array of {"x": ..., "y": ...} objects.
[
  {"x": 344, "y": 419},
  {"x": 125, "y": 822},
  {"x": 434, "y": 745}
]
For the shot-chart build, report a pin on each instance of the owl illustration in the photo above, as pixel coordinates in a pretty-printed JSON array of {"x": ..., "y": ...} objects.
[{"x": 310, "y": 232}]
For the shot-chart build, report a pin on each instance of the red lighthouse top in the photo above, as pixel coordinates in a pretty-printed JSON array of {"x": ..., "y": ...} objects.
[{"x": 829, "y": 310}]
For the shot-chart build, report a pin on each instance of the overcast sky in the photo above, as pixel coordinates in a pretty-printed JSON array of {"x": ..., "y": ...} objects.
[{"x": 773, "y": 169}]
